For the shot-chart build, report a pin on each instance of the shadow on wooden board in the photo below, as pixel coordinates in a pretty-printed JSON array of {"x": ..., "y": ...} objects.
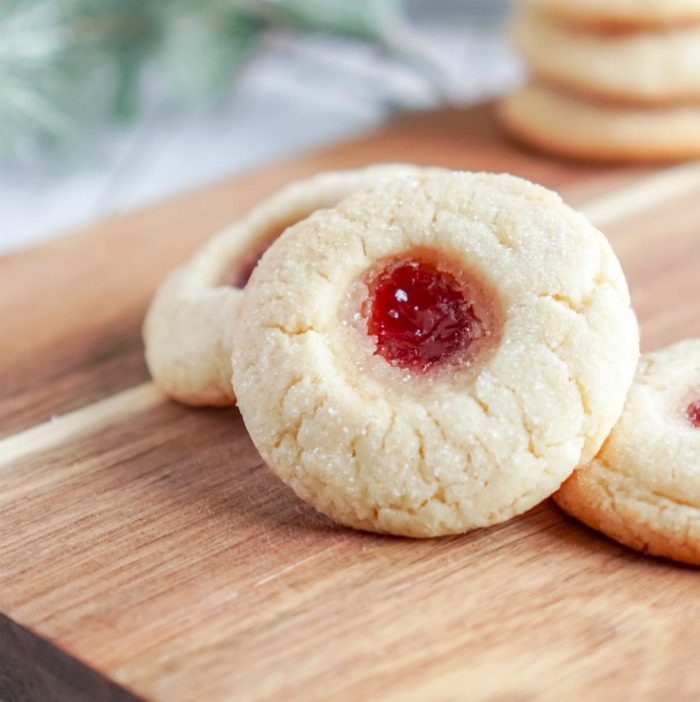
[{"x": 33, "y": 670}]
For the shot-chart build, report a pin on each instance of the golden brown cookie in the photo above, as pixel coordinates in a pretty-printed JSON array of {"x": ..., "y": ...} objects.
[
  {"x": 187, "y": 332},
  {"x": 620, "y": 15},
  {"x": 643, "y": 488},
  {"x": 436, "y": 354},
  {"x": 652, "y": 67},
  {"x": 561, "y": 124}
]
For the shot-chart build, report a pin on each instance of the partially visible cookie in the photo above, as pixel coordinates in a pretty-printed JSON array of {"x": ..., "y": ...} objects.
[
  {"x": 187, "y": 332},
  {"x": 436, "y": 354},
  {"x": 557, "y": 123},
  {"x": 643, "y": 488},
  {"x": 621, "y": 15},
  {"x": 653, "y": 67}
]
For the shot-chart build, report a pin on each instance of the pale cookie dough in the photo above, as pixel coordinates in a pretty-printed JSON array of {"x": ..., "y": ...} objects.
[
  {"x": 620, "y": 15},
  {"x": 187, "y": 332},
  {"x": 658, "y": 67},
  {"x": 475, "y": 439},
  {"x": 643, "y": 488},
  {"x": 560, "y": 124}
]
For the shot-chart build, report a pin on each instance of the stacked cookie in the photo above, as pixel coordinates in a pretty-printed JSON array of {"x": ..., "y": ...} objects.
[
  {"x": 424, "y": 352},
  {"x": 613, "y": 80}
]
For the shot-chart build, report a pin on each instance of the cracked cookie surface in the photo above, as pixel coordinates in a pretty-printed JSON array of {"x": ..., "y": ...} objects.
[
  {"x": 643, "y": 488},
  {"x": 472, "y": 440},
  {"x": 188, "y": 328}
]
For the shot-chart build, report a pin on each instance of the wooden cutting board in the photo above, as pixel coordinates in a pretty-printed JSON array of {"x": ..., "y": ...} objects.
[{"x": 148, "y": 541}]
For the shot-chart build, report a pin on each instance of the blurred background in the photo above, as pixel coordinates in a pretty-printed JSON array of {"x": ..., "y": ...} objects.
[{"x": 108, "y": 105}]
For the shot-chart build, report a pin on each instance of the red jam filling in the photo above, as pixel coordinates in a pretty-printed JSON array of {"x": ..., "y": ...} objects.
[
  {"x": 693, "y": 413},
  {"x": 420, "y": 315},
  {"x": 241, "y": 273}
]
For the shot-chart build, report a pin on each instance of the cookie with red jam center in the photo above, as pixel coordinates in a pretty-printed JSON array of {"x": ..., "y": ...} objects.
[
  {"x": 643, "y": 488},
  {"x": 420, "y": 315},
  {"x": 435, "y": 354},
  {"x": 187, "y": 332}
]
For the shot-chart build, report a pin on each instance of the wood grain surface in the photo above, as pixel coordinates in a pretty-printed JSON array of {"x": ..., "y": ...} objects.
[{"x": 148, "y": 540}]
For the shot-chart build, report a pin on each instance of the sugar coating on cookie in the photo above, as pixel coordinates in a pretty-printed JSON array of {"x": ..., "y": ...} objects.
[
  {"x": 643, "y": 488},
  {"x": 640, "y": 67},
  {"x": 562, "y": 124},
  {"x": 620, "y": 15},
  {"x": 188, "y": 328},
  {"x": 436, "y": 354}
]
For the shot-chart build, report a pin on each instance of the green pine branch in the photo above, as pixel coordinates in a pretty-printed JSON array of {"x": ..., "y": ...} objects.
[{"x": 68, "y": 67}]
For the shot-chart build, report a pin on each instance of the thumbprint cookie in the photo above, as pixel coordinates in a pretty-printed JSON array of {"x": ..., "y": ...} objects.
[
  {"x": 187, "y": 332},
  {"x": 643, "y": 488},
  {"x": 435, "y": 354}
]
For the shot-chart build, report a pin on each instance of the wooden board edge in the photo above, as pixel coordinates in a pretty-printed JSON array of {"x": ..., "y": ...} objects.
[{"x": 32, "y": 669}]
